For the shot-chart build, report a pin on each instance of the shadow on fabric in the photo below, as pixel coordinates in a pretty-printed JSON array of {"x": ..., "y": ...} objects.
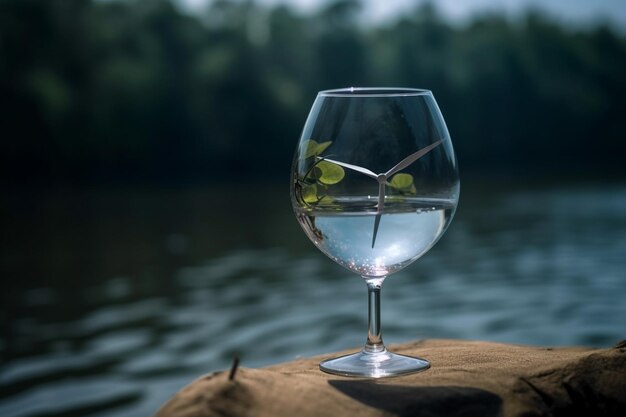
[{"x": 407, "y": 401}]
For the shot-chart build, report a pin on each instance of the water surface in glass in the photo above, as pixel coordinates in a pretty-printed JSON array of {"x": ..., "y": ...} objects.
[{"x": 374, "y": 186}]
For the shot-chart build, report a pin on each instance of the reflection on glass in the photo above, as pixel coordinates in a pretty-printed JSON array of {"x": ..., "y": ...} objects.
[{"x": 398, "y": 138}]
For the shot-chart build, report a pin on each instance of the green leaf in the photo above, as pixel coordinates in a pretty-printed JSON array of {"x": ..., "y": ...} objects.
[
  {"x": 329, "y": 173},
  {"x": 309, "y": 193},
  {"x": 402, "y": 182},
  {"x": 326, "y": 200},
  {"x": 322, "y": 147},
  {"x": 313, "y": 148},
  {"x": 309, "y": 147}
]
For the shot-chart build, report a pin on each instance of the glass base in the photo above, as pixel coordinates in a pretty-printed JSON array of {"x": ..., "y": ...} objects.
[{"x": 374, "y": 365}]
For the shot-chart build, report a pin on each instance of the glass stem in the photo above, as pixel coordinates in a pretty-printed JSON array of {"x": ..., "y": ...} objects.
[{"x": 374, "y": 342}]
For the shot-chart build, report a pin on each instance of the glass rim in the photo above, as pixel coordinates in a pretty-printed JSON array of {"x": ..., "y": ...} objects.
[{"x": 374, "y": 92}]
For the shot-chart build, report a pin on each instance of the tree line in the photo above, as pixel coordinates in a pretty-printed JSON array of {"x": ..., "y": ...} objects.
[{"x": 116, "y": 91}]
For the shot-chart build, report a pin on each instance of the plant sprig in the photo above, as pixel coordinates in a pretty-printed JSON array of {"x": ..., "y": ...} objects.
[{"x": 313, "y": 186}]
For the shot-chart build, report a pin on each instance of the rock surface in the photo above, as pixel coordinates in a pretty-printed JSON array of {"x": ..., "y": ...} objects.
[{"x": 466, "y": 379}]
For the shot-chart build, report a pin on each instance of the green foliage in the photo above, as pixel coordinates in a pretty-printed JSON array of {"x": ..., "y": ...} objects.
[
  {"x": 403, "y": 183},
  {"x": 328, "y": 173},
  {"x": 309, "y": 193},
  {"x": 312, "y": 148},
  {"x": 313, "y": 185},
  {"x": 137, "y": 90}
]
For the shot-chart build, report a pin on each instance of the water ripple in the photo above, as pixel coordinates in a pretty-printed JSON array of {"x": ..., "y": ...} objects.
[{"x": 531, "y": 266}]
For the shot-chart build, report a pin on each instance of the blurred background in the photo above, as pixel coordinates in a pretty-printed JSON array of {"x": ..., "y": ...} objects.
[{"x": 146, "y": 229}]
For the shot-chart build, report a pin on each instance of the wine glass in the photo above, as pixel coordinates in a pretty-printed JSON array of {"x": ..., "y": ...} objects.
[{"x": 374, "y": 185}]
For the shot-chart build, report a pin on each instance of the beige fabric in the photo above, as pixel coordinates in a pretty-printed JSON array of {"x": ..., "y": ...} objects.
[{"x": 466, "y": 379}]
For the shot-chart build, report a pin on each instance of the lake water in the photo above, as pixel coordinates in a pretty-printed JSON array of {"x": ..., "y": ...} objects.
[{"x": 114, "y": 299}]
